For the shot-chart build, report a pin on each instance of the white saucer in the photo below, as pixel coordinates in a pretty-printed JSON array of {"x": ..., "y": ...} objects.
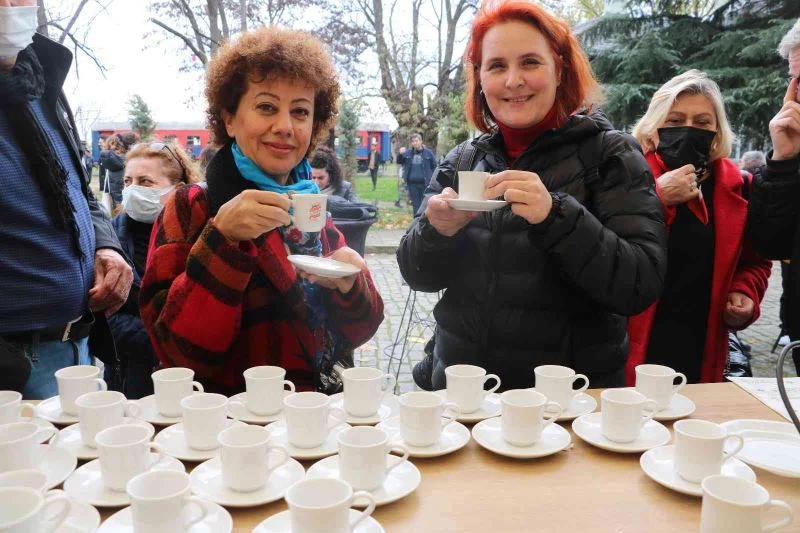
[
  {"x": 240, "y": 412},
  {"x": 50, "y": 410},
  {"x": 489, "y": 435},
  {"x": 754, "y": 424},
  {"x": 41, "y": 424},
  {"x": 329, "y": 447},
  {"x": 679, "y": 407},
  {"x": 206, "y": 482},
  {"x": 454, "y": 437},
  {"x": 653, "y": 434},
  {"x": 658, "y": 464},
  {"x": 151, "y": 414},
  {"x": 389, "y": 407},
  {"x": 173, "y": 440},
  {"x": 280, "y": 523},
  {"x": 82, "y": 517},
  {"x": 490, "y": 407},
  {"x": 772, "y": 451},
  {"x": 218, "y": 520},
  {"x": 475, "y": 205},
  {"x": 400, "y": 482},
  {"x": 57, "y": 463},
  {"x": 323, "y": 266},
  {"x": 86, "y": 484},
  {"x": 580, "y": 405},
  {"x": 70, "y": 438}
]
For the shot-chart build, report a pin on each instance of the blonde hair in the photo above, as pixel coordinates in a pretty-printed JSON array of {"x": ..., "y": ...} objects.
[
  {"x": 690, "y": 82},
  {"x": 171, "y": 159}
]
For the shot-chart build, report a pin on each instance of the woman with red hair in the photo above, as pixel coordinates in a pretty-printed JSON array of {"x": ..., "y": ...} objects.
[{"x": 549, "y": 277}]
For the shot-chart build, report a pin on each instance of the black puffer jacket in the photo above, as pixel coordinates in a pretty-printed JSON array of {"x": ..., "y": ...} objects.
[{"x": 521, "y": 295}]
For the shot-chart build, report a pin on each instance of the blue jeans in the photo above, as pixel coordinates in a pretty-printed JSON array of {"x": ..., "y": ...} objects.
[
  {"x": 48, "y": 357},
  {"x": 417, "y": 193}
]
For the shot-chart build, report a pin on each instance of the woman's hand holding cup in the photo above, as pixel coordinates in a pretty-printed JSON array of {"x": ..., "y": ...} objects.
[
  {"x": 678, "y": 186},
  {"x": 252, "y": 213},
  {"x": 526, "y": 193},
  {"x": 344, "y": 254},
  {"x": 446, "y": 220}
]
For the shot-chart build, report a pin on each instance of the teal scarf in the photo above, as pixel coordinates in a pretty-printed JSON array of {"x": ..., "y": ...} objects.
[{"x": 303, "y": 184}]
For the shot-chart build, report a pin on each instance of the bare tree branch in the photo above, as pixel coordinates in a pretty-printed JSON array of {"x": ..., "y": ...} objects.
[
  {"x": 186, "y": 40},
  {"x": 82, "y": 47},
  {"x": 72, "y": 21}
]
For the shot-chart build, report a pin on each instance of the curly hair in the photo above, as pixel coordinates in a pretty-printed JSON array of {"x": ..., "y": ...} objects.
[
  {"x": 179, "y": 167},
  {"x": 264, "y": 52},
  {"x": 324, "y": 157}
]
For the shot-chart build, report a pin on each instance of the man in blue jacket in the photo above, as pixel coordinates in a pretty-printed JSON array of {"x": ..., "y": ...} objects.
[
  {"x": 418, "y": 163},
  {"x": 60, "y": 259}
]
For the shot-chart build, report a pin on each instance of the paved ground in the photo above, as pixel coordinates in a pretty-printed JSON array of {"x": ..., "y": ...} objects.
[{"x": 409, "y": 343}]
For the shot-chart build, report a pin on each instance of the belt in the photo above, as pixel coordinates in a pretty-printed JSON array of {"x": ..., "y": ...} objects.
[{"x": 74, "y": 330}]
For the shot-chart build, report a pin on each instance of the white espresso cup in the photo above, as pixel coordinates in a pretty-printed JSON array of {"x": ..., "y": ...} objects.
[
  {"x": 170, "y": 386},
  {"x": 423, "y": 416},
  {"x": 623, "y": 413},
  {"x": 30, "y": 477},
  {"x": 522, "y": 416},
  {"x": 317, "y": 505},
  {"x": 19, "y": 445},
  {"x": 265, "y": 386},
  {"x": 74, "y": 381},
  {"x": 310, "y": 418},
  {"x": 27, "y": 510},
  {"x": 245, "y": 453},
  {"x": 472, "y": 184},
  {"x": 557, "y": 383},
  {"x": 736, "y": 505},
  {"x": 364, "y": 390},
  {"x": 309, "y": 211},
  {"x": 124, "y": 453},
  {"x": 700, "y": 448},
  {"x": 465, "y": 386},
  {"x": 657, "y": 382},
  {"x": 159, "y": 499},
  {"x": 363, "y": 459},
  {"x": 11, "y": 407},
  {"x": 205, "y": 415},
  {"x": 103, "y": 409}
]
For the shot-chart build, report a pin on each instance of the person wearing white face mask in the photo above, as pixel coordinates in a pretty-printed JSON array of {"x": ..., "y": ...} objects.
[{"x": 152, "y": 171}]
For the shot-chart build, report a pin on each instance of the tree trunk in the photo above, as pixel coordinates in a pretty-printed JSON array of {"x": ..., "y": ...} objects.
[
  {"x": 243, "y": 16},
  {"x": 41, "y": 18}
]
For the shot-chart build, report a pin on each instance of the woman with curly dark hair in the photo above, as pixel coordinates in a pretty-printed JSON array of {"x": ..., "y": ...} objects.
[
  {"x": 219, "y": 294},
  {"x": 326, "y": 171}
]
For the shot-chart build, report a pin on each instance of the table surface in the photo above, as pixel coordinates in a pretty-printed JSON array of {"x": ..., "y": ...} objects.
[{"x": 581, "y": 489}]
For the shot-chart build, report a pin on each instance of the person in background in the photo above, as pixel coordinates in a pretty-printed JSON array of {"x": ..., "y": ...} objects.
[
  {"x": 112, "y": 159},
  {"x": 327, "y": 172},
  {"x": 219, "y": 294},
  {"x": 715, "y": 280},
  {"x": 206, "y": 155},
  {"x": 373, "y": 163},
  {"x": 59, "y": 257},
  {"x": 418, "y": 163},
  {"x": 88, "y": 164},
  {"x": 152, "y": 171},
  {"x": 550, "y": 277},
  {"x": 774, "y": 219},
  {"x": 752, "y": 161}
]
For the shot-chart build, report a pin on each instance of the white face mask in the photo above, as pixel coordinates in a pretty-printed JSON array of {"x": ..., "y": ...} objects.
[
  {"x": 143, "y": 204},
  {"x": 17, "y": 26}
]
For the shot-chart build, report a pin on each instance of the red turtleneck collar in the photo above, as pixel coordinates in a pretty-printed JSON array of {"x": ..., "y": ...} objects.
[{"x": 518, "y": 139}]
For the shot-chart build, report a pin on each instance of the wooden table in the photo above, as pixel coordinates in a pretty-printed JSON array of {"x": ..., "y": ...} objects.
[{"x": 582, "y": 489}]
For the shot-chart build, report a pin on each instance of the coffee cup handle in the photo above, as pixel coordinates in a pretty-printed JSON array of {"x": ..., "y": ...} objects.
[
  {"x": 496, "y": 385},
  {"x": 455, "y": 411},
  {"x": 54, "y": 522},
  {"x": 133, "y": 411},
  {"x": 362, "y": 495},
  {"x": 783, "y": 522},
  {"x": 651, "y": 408},
  {"x": 289, "y": 383},
  {"x": 101, "y": 383},
  {"x": 30, "y": 406},
  {"x": 156, "y": 447},
  {"x": 203, "y": 511},
  {"x": 198, "y": 386},
  {"x": 284, "y": 457},
  {"x": 681, "y": 384},
  {"x": 583, "y": 388},
  {"x": 739, "y": 445},
  {"x": 401, "y": 449},
  {"x": 339, "y": 417},
  {"x": 391, "y": 381},
  {"x": 556, "y": 409}
]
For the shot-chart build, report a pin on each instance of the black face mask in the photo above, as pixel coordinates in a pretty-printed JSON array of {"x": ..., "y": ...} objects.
[{"x": 685, "y": 146}]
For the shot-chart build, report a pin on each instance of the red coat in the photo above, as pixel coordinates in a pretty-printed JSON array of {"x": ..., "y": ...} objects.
[{"x": 737, "y": 268}]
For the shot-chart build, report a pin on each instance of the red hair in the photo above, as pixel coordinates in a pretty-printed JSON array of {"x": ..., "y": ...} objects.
[{"x": 578, "y": 87}]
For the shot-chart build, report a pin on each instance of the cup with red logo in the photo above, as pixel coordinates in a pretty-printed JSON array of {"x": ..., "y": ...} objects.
[{"x": 309, "y": 211}]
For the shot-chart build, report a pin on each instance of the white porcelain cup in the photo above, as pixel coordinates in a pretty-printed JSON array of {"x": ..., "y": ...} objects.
[
  {"x": 423, "y": 416},
  {"x": 74, "y": 381},
  {"x": 265, "y": 386},
  {"x": 558, "y": 383},
  {"x": 471, "y": 184},
  {"x": 623, "y": 413},
  {"x": 159, "y": 499},
  {"x": 19, "y": 445},
  {"x": 522, "y": 416},
  {"x": 124, "y": 453},
  {"x": 700, "y": 448},
  {"x": 170, "y": 386},
  {"x": 248, "y": 458},
  {"x": 362, "y": 457},
  {"x": 465, "y": 386},
  {"x": 310, "y": 418},
  {"x": 309, "y": 211},
  {"x": 657, "y": 382},
  {"x": 27, "y": 510},
  {"x": 11, "y": 407},
  {"x": 205, "y": 415},
  {"x": 736, "y": 505},
  {"x": 317, "y": 505},
  {"x": 31, "y": 478},
  {"x": 103, "y": 409},
  {"x": 364, "y": 390}
]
